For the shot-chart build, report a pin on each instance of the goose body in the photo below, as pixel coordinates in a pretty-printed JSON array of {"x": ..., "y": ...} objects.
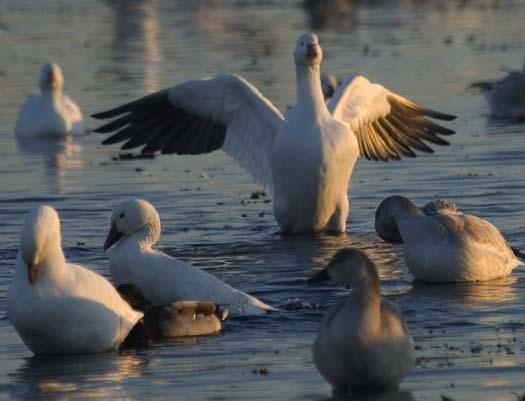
[
  {"x": 162, "y": 278},
  {"x": 306, "y": 158},
  {"x": 51, "y": 113},
  {"x": 441, "y": 244},
  {"x": 59, "y": 307},
  {"x": 363, "y": 341}
]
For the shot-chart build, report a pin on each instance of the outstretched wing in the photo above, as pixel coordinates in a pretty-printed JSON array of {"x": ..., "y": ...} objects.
[
  {"x": 199, "y": 117},
  {"x": 387, "y": 126}
]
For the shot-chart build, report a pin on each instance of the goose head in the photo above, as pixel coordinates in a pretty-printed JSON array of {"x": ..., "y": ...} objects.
[
  {"x": 131, "y": 217},
  {"x": 351, "y": 267},
  {"x": 39, "y": 238},
  {"x": 51, "y": 77},
  {"x": 389, "y": 210},
  {"x": 308, "y": 52}
]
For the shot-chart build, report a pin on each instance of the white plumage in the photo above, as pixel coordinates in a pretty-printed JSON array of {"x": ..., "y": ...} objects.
[
  {"x": 52, "y": 113},
  {"x": 58, "y": 307},
  {"x": 305, "y": 159},
  {"x": 441, "y": 244},
  {"x": 135, "y": 228},
  {"x": 363, "y": 341}
]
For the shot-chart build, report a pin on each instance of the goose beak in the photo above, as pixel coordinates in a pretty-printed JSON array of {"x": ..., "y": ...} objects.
[
  {"x": 311, "y": 50},
  {"x": 113, "y": 236},
  {"x": 32, "y": 271},
  {"x": 319, "y": 276}
]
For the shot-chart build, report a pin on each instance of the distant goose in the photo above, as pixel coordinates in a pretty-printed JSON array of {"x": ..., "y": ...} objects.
[
  {"x": 52, "y": 113},
  {"x": 506, "y": 98},
  {"x": 305, "y": 160},
  {"x": 328, "y": 86},
  {"x": 442, "y": 244},
  {"x": 363, "y": 342},
  {"x": 63, "y": 308},
  {"x": 135, "y": 228}
]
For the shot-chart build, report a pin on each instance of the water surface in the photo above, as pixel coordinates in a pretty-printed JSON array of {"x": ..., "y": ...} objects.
[{"x": 470, "y": 339}]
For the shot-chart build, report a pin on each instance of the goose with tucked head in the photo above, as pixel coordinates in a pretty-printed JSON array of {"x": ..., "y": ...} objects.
[
  {"x": 58, "y": 307},
  {"x": 305, "y": 159},
  {"x": 363, "y": 342},
  {"x": 135, "y": 228},
  {"x": 52, "y": 113},
  {"x": 441, "y": 244}
]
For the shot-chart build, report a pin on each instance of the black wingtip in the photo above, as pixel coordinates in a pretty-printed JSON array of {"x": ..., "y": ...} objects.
[{"x": 520, "y": 255}]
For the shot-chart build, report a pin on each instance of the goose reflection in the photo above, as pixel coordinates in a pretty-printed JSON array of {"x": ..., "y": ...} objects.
[
  {"x": 475, "y": 296},
  {"x": 97, "y": 376},
  {"x": 136, "y": 38},
  {"x": 386, "y": 396},
  {"x": 57, "y": 155}
]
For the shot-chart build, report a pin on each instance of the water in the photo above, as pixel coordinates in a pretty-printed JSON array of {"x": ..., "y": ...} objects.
[{"x": 470, "y": 338}]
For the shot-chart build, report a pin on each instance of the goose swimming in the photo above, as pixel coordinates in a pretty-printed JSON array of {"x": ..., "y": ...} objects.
[
  {"x": 63, "y": 308},
  {"x": 306, "y": 159},
  {"x": 52, "y": 113},
  {"x": 442, "y": 244},
  {"x": 59, "y": 307},
  {"x": 135, "y": 228},
  {"x": 364, "y": 342},
  {"x": 506, "y": 97}
]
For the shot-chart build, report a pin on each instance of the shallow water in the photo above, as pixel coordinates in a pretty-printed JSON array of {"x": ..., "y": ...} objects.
[{"x": 470, "y": 339}]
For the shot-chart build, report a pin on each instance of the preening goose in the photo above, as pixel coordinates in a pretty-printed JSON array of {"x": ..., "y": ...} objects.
[
  {"x": 363, "y": 341},
  {"x": 135, "y": 228},
  {"x": 441, "y": 244},
  {"x": 59, "y": 307},
  {"x": 52, "y": 113},
  {"x": 305, "y": 160}
]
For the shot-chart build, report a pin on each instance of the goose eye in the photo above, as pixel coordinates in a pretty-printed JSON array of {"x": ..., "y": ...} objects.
[
  {"x": 302, "y": 43},
  {"x": 122, "y": 215}
]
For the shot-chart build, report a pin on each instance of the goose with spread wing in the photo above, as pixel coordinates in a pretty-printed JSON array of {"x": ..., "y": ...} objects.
[{"x": 305, "y": 160}]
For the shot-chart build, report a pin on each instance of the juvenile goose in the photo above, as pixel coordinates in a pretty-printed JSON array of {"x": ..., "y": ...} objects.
[
  {"x": 52, "y": 113},
  {"x": 306, "y": 159},
  {"x": 363, "y": 342},
  {"x": 441, "y": 244},
  {"x": 59, "y": 307},
  {"x": 135, "y": 228}
]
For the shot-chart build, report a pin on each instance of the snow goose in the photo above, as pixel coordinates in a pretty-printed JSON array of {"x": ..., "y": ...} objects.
[
  {"x": 135, "y": 228},
  {"x": 58, "y": 307},
  {"x": 52, "y": 113},
  {"x": 441, "y": 244},
  {"x": 305, "y": 160},
  {"x": 506, "y": 98},
  {"x": 363, "y": 342}
]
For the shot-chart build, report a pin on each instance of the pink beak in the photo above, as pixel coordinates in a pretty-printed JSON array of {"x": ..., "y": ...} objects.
[
  {"x": 32, "y": 271},
  {"x": 312, "y": 50}
]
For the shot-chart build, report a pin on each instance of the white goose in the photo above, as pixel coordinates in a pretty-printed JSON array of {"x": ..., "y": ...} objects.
[
  {"x": 506, "y": 98},
  {"x": 58, "y": 307},
  {"x": 135, "y": 228},
  {"x": 52, "y": 113},
  {"x": 441, "y": 244},
  {"x": 363, "y": 342},
  {"x": 305, "y": 160}
]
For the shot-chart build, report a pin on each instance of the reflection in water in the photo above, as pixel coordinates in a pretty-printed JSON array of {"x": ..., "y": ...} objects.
[
  {"x": 471, "y": 296},
  {"x": 97, "y": 376},
  {"x": 136, "y": 39},
  {"x": 58, "y": 155},
  {"x": 331, "y": 14}
]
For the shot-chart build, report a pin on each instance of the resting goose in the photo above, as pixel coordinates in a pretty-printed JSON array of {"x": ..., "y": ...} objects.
[
  {"x": 506, "y": 98},
  {"x": 59, "y": 307},
  {"x": 441, "y": 244},
  {"x": 135, "y": 228},
  {"x": 364, "y": 342},
  {"x": 52, "y": 113},
  {"x": 305, "y": 160}
]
